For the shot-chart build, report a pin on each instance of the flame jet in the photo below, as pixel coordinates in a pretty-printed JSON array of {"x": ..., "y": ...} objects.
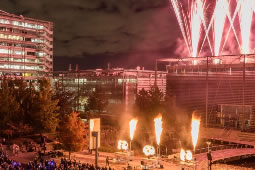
[
  {"x": 132, "y": 128},
  {"x": 158, "y": 127},
  {"x": 245, "y": 20},
  {"x": 195, "y": 131}
]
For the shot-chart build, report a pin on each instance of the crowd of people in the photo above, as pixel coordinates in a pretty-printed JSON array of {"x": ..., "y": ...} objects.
[
  {"x": 39, "y": 163},
  {"x": 68, "y": 164},
  {"x": 65, "y": 164},
  {"x": 6, "y": 163}
]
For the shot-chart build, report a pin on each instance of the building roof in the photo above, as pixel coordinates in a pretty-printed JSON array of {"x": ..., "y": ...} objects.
[
  {"x": 223, "y": 57},
  {"x": 20, "y": 17}
]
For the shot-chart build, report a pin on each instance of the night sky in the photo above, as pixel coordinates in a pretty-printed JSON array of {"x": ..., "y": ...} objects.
[{"x": 91, "y": 33}]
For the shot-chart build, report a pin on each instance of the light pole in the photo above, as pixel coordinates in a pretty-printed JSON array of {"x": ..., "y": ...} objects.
[
  {"x": 209, "y": 156},
  {"x": 95, "y": 134},
  {"x": 130, "y": 145}
]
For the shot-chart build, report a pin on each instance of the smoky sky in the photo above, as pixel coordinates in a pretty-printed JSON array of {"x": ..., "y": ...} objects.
[{"x": 91, "y": 33}]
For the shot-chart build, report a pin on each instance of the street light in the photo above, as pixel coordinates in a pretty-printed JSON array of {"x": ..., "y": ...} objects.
[
  {"x": 95, "y": 134},
  {"x": 209, "y": 156}
]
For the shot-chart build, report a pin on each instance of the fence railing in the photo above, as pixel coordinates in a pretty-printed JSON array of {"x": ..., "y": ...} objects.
[{"x": 221, "y": 147}]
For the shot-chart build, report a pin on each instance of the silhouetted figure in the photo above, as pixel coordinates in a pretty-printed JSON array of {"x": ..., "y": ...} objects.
[{"x": 107, "y": 161}]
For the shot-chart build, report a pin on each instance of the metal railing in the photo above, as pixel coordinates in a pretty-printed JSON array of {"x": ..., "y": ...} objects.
[{"x": 222, "y": 147}]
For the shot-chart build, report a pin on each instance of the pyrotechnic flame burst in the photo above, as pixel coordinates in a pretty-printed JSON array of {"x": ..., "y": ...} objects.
[
  {"x": 158, "y": 127},
  {"x": 189, "y": 155},
  {"x": 122, "y": 145},
  {"x": 148, "y": 150},
  {"x": 195, "y": 130},
  {"x": 185, "y": 155},
  {"x": 182, "y": 155},
  {"x": 132, "y": 127}
]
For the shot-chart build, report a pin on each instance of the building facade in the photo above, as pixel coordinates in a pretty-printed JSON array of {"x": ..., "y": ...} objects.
[
  {"x": 120, "y": 85},
  {"x": 26, "y": 46},
  {"x": 219, "y": 89}
]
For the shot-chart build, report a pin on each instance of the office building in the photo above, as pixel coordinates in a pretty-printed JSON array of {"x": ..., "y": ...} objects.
[
  {"x": 26, "y": 46},
  {"x": 121, "y": 85}
]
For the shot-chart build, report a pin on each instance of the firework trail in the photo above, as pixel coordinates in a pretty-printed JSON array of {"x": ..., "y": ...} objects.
[
  {"x": 245, "y": 20},
  {"x": 191, "y": 23},
  {"x": 220, "y": 12},
  {"x": 176, "y": 7}
]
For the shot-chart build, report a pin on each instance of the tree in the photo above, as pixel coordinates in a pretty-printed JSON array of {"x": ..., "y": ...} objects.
[
  {"x": 72, "y": 133},
  {"x": 149, "y": 103},
  {"x": 97, "y": 100},
  {"x": 45, "y": 108},
  {"x": 65, "y": 101},
  {"x": 9, "y": 110},
  {"x": 28, "y": 103},
  {"x": 142, "y": 101},
  {"x": 156, "y": 100}
]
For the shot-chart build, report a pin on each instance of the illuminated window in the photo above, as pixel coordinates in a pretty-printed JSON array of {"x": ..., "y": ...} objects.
[
  {"x": 4, "y": 51},
  {"x": 4, "y": 21}
]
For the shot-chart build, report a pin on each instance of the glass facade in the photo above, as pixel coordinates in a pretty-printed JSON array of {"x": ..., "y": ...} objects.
[{"x": 120, "y": 85}]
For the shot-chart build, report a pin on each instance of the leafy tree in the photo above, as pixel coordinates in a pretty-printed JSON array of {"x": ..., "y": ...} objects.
[
  {"x": 149, "y": 103},
  {"x": 29, "y": 101},
  {"x": 156, "y": 100},
  {"x": 9, "y": 110},
  {"x": 45, "y": 108},
  {"x": 97, "y": 100},
  {"x": 25, "y": 95},
  {"x": 65, "y": 101},
  {"x": 142, "y": 101},
  {"x": 72, "y": 133}
]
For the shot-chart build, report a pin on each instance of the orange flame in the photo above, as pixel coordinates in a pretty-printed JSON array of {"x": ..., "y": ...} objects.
[
  {"x": 148, "y": 150},
  {"x": 158, "y": 127},
  {"x": 132, "y": 127},
  {"x": 122, "y": 145},
  {"x": 195, "y": 130}
]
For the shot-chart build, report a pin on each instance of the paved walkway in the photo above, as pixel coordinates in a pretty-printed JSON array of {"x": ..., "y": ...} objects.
[
  {"x": 219, "y": 134},
  {"x": 223, "y": 154}
]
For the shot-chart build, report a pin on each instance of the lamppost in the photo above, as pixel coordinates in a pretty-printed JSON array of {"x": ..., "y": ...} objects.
[
  {"x": 95, "y": 134},
  {"x": 209, "y": 156}
]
